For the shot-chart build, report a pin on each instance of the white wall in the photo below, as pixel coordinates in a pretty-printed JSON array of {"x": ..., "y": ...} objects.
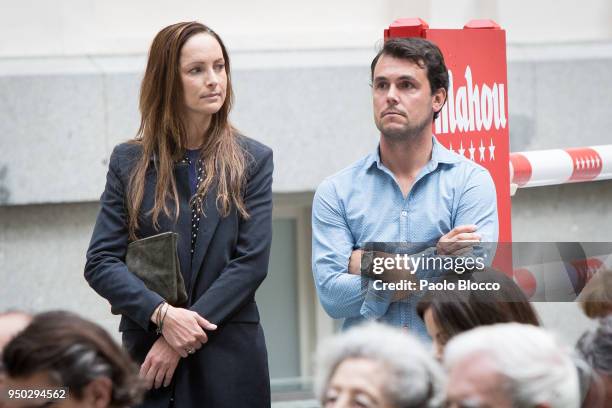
[{"x": 102, "y": 27}]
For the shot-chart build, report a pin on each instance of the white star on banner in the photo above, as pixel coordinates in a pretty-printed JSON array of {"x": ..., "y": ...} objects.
[
  {"x": 491, "y": 151},
  {"x": 461, "y": 149},
  {"x": 481, "y": 149},
  {"x": 472, "y": 150}
]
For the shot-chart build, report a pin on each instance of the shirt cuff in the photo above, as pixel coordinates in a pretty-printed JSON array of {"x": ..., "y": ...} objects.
[{"x": 376, "y": 302}]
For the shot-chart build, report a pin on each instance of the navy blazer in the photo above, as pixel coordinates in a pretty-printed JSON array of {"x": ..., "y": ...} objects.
[{"x": 229, "y": 263}]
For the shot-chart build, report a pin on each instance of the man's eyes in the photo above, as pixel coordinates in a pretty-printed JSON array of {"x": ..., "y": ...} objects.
[
  {"x": 405, "y": 85},
  {"x": 401, "y": 85}
]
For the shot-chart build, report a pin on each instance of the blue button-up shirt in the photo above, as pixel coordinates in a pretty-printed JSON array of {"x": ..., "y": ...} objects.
[{"x": 364, "y": 203}]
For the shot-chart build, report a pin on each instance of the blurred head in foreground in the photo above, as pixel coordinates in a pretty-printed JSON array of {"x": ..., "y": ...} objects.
[
  {"x": 12, "y": 323},
  {"x": 595, "y": 347},
  {"x": 60, "y": 349},
  {"x": 447, "y": 313},
  {"x": 510, "y": 365},
  {"x": 596, "y": 297},
  {"x": 377, "y": 366}
]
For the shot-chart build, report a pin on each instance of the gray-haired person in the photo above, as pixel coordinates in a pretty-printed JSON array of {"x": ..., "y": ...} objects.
[
  {"x": 510, "y": 365},
  {"x": 595, "y": 347},
  {"x": 377, "y": 366}
]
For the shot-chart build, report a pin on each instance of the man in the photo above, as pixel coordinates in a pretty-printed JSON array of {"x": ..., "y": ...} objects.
[
  {"x": 411, "y": 189},
  {"x": 510, "y": 365}
]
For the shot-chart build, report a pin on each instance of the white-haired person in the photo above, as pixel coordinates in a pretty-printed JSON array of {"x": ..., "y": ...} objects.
[
  {"x": 377, "y": 366},
  {"x": 595, "y": 347},
  {"x": 510, "y": 365}
]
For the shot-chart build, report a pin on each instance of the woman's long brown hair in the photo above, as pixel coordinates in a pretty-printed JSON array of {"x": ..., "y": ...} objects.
[{"x": 162, "y": 134}]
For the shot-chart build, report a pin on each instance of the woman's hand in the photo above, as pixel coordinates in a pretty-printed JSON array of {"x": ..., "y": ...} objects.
[
  {"x": 159, "y": 365},
  {"x": 184, "y": 330}
]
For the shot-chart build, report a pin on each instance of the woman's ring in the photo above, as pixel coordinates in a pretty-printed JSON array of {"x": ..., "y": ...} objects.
[{"x": 190, "y": 351}]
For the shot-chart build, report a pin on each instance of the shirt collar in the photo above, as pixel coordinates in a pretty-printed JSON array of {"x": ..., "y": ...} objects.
[{"x": 439, "y": 154}]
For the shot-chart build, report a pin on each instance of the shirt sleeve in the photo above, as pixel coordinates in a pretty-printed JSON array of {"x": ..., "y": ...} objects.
[
  {"x": 478, "y": 205},
  {"x": 342, "y": 295}
]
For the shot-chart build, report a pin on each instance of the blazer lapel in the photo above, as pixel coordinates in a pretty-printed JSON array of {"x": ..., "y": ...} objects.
[
  {"x": 183, "y": 224},
  {"x": 207, "y": 226}
]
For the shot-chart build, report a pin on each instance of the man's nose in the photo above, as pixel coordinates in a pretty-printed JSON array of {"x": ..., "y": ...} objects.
[{"x": 392, "y": 97}]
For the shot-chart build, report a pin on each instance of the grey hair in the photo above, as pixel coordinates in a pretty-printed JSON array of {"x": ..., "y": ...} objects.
[
  {"x": 415, "y": 378},
  {"x": 537, "y": 368},
  {"x": 595, "y": 346}
]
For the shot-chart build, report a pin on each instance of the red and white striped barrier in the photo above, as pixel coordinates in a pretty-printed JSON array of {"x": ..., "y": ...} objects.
[{"x": 560, "y": 166}]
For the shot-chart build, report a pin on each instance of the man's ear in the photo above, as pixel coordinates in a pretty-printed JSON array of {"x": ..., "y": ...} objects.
[
  {"x": 98, "y": 393},
  {"x": 438, "y": 99}
]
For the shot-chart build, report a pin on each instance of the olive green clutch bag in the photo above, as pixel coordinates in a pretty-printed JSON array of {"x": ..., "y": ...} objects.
[{"x": 155, "y": 261}]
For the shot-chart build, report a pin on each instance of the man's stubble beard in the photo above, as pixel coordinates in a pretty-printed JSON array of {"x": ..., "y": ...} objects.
[{"x": 408, "y": 132}]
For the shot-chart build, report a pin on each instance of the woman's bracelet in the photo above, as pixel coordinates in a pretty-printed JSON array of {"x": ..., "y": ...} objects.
[{"x": 160, "y": 318}]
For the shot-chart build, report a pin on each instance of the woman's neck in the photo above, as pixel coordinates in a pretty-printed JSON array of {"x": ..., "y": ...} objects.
[{"x": 196, "y": 128}]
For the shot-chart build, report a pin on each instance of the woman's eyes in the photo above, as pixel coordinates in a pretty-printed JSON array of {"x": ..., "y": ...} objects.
[{"x": 216, "y": 67}]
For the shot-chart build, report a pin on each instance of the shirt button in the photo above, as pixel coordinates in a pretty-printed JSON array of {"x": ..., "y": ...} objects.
[{"x": 404, "y": 213}]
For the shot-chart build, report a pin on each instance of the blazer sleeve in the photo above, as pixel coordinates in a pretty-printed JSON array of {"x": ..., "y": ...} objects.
[
  {"x": 105, "y": 268},
  {"x": 237, "y": 283}
]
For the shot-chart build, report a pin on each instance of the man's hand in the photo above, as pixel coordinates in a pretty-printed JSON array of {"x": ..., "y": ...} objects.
[
  {"x": 391, "y": 275},
  {"x": 458, "y": 241},
  {"x": 184, "y": 330},
  {"x": 159, "y": 365},
  {"x": 354, "y": 266}
]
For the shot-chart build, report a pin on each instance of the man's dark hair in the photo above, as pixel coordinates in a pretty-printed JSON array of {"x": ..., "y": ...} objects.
[
  {"x": 424, "y": 53},
  {"x": 74, "y": 352}
]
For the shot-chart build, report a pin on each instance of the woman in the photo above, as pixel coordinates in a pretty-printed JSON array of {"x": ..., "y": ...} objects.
[
  {"x": 377, "y": 366},
  {"x": 447, "y": 313},
  {"x": 60, "y": 349},
  {"x": 189, "y": 171}
]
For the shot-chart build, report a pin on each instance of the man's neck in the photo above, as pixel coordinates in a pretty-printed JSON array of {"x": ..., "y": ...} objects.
[{"x": 406, "y": 158}]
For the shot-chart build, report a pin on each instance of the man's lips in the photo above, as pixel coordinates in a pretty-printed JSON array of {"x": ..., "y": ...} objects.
[{"x": 392, "y": 112}]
